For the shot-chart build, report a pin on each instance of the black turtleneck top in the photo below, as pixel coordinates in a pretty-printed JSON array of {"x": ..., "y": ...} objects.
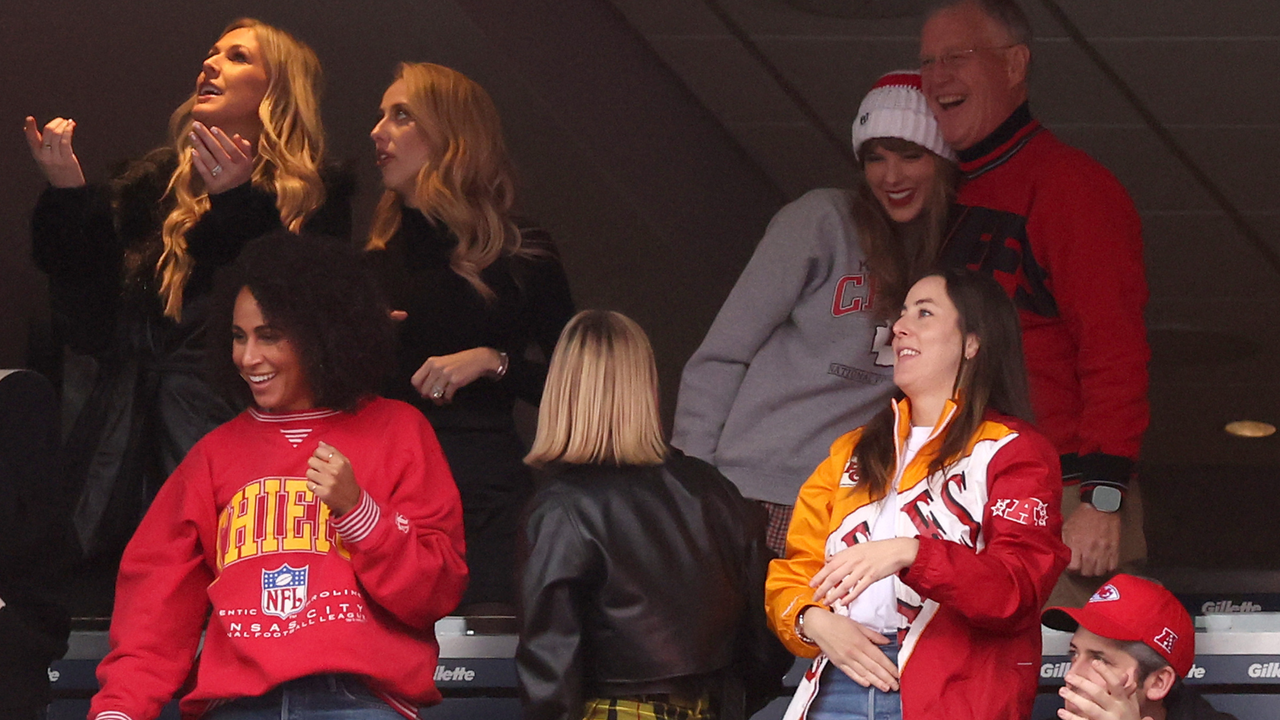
[{"x": 447, "y": 315}]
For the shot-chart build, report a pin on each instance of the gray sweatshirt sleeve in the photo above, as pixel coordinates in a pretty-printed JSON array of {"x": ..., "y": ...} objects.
[{"x": 792, "y": 259}]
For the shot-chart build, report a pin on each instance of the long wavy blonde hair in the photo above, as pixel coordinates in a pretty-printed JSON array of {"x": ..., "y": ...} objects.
[
  {"x": 467, "y": 183},
  {"x": 288, "y": 158}
]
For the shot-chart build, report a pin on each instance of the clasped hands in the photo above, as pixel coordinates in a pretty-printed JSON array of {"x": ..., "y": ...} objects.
[
  {"x": 851, "y": 646},
  {"x": 848, "y": 573}
]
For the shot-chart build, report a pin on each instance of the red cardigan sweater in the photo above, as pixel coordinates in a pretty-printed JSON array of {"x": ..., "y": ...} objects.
[{"x": 1062, "y": 236}]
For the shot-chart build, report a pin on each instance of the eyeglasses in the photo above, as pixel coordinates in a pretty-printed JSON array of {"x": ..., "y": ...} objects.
[{"x": 957, "y": 58}]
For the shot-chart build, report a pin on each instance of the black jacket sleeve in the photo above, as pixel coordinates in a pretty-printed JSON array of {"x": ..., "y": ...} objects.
[
  {"x": 549, "y": 657},
  {"x": 760, "y": 659},
  {"x": 74, "y": 242}
]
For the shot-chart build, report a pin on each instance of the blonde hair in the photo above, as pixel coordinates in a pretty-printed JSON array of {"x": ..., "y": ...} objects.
[
  {"x": 287, "y": 163},
  {"x": 468, "y": 181},
  {"x": 600, "y": 405}
]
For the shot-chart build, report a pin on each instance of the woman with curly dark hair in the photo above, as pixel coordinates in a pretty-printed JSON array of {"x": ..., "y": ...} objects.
[{"x": 319, "y": 531}]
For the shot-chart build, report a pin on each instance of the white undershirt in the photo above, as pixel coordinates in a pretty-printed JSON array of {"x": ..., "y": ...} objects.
[{"x": 877, "y": 606}]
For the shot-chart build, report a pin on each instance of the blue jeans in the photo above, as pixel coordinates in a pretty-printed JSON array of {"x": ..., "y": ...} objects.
[
  {"x": 840, "y": 698},
  {"x": 318, "y": 697}
]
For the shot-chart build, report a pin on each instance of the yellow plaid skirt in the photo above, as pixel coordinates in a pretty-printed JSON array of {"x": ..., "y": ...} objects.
[{"x": 650, "y": 707}]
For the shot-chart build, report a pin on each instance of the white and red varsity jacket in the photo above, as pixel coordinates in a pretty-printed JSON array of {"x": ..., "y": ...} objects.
[{"x": 989, "y": 526}]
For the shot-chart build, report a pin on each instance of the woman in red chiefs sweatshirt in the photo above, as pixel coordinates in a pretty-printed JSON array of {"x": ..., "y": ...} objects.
[{"x": 320, "y": 531}]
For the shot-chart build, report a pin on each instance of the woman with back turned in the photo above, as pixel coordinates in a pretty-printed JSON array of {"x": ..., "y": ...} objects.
[{"x": 643, "y": 576}]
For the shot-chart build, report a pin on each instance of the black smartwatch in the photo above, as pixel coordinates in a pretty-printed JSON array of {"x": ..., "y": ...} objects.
[{"x": 1103, "y": 498}]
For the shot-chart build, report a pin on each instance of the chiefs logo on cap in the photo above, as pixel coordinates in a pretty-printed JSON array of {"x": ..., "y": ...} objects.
[
  {"x": 1107, "y": 593},
  {"x": 1166, "y": 639}
]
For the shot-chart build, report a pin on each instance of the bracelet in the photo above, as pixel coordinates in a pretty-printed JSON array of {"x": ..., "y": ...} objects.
[
  {"x": 800, "y": 626},
  {"x": 504, "y": 361}
]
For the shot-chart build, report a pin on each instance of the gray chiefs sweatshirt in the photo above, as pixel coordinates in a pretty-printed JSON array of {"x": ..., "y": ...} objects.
[{"x": 793, "y": 359}]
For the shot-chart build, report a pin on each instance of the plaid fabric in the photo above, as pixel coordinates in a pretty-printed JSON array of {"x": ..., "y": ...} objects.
[
  {"x": 649, "y": 707},
  {"x": 775, "y": 534}
]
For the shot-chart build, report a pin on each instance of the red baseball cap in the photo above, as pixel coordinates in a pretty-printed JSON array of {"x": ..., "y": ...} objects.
[{"x": 1131, "y": 609}]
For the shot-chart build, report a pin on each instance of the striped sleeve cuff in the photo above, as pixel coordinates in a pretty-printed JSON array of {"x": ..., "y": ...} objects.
[
  {"x": 358, "y": 523},
  {"x": 111, "y": 715}
]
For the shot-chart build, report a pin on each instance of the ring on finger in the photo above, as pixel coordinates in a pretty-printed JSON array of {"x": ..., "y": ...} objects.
[
  {"x": 437, "y": 392},
  {"x": 330, "y": 456},
  {"x": 215, "y": 170}
]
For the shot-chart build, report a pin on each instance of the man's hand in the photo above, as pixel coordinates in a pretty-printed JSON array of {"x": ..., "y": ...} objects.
[
  {"x": 1117, "y": 699},
  {"x": 1094, "y": 539},
  {"x": 852, "y": 647}
]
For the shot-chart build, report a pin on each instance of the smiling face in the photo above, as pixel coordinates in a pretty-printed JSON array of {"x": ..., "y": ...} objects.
[
  {"x": 267, "y": 360},
  {"x": 902, "y": 180},
  {"x": 972, "y": 73},
  {"x": 928, "y": 344},
  {"x": 401, "y": 145},
  {"x": 232, "y": 83}
]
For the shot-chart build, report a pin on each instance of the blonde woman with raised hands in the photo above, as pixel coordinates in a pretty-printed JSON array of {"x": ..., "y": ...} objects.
[{"x": 131, "y": 261}]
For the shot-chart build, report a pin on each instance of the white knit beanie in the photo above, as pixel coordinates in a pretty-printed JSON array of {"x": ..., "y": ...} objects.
[{"x": 896, "y": 108}]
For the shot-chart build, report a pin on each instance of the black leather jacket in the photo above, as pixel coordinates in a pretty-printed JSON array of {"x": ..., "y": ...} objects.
[{"x": 642, "y": 580}]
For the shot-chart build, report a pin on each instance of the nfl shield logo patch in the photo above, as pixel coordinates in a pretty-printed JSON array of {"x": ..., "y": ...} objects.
[{"x": 284, "y": 591}]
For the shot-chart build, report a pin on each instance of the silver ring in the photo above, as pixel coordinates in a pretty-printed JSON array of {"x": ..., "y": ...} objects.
[
  {"x": 330, "y": 456},
  {"x": 215, "y": 170},
  {"x": 437, "y": 393}
]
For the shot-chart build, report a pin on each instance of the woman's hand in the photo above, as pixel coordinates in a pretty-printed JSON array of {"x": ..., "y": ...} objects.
[
  {"x": 332, "y": 479},
  {"x": 224, "y": 162},
  {"x": 853, "y": 648},
  {"x": 441, "y": 376},
  {"x": 852, "y": 570},
  {"x": 1115, "y": 699},
  {"x": 53, "y": 152}
]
